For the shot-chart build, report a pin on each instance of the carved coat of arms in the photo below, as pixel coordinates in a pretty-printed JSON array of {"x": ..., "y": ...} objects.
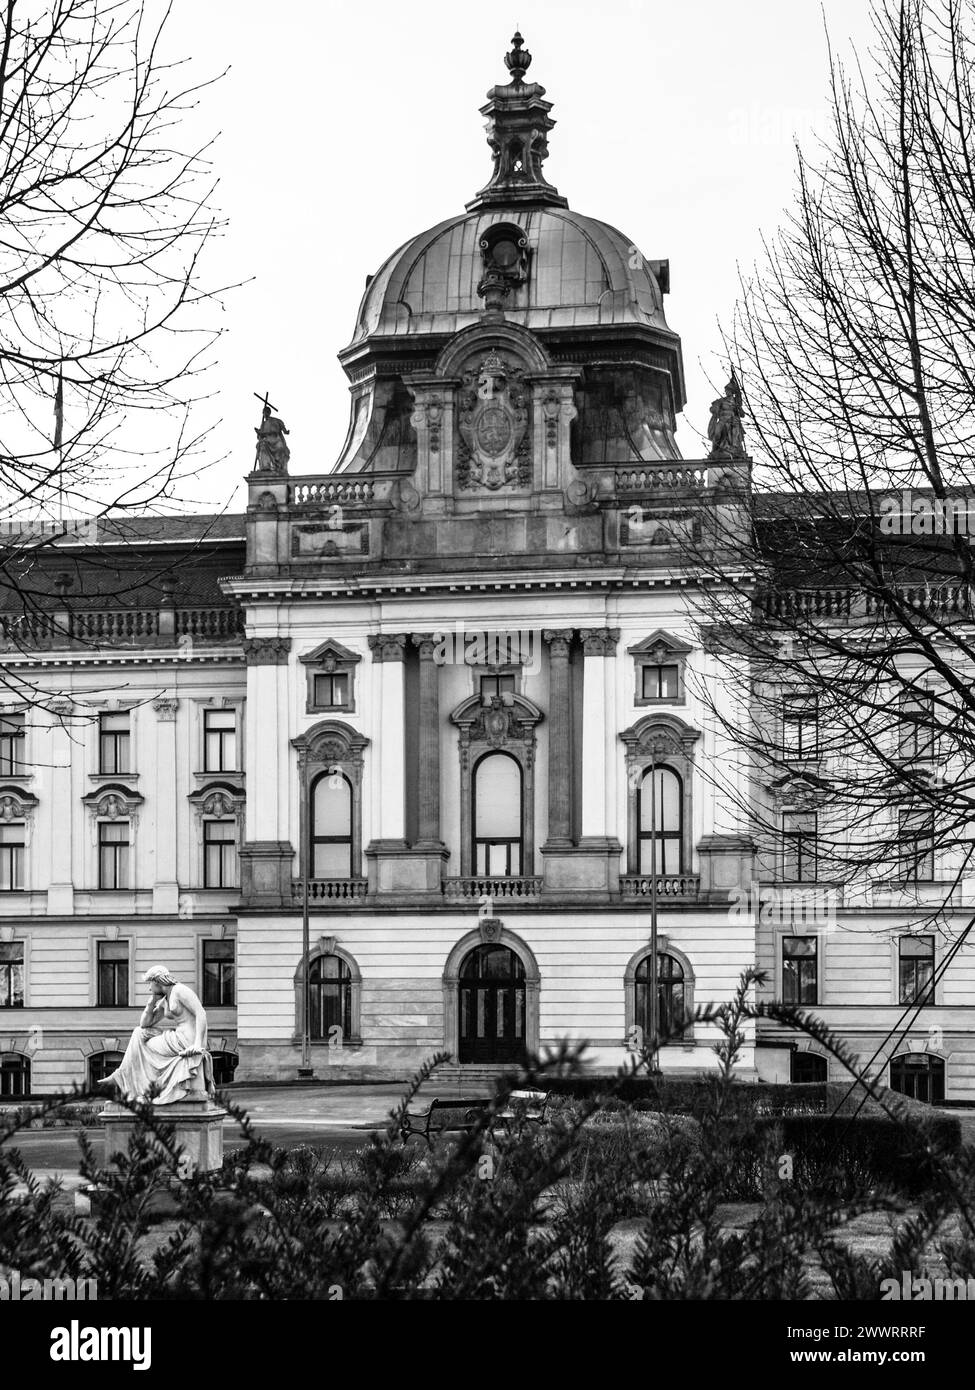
[{"x": 493, "y": 421}]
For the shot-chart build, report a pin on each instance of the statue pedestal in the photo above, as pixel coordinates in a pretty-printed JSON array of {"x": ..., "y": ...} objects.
[{"x": 198, "y": 1126}]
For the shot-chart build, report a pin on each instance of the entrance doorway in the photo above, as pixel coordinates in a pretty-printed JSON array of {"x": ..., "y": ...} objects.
[{"x": 492, "y": 1006}]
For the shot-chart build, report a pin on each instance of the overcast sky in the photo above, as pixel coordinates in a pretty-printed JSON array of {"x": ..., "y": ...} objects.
[{"x": 346, "y": 128}]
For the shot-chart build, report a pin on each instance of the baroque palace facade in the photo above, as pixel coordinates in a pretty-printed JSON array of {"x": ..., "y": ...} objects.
[{"x": 447, "y": 689}]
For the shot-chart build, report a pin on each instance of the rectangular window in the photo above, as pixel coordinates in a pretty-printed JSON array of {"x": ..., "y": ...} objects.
[
  {"x": 917, "y": 846},
  {"x": 660, "y": 682},
  {"x": 219, "y": 984},
  {"x": 11, "y": 745},
  {"x": 113, "y": 744},
  {"x": 916, "y": 970},
  {"x": 12, "y": 975},
  {"x": 800, "y": 970},
  {"x": 332, "y": 691},
  {"x": 11, "y": 857},
  {"x": 799, "y": 847},
  {"x": 800, "y": 725},
  {"x": 219, "y": 740},
  {"x": 219, "y": 854},
  {"x": 113, "y": 974},
  {"x": 113, "y": 854},
  {"x": 916, "y": 724},
  {"x": 496, "y": 685}
]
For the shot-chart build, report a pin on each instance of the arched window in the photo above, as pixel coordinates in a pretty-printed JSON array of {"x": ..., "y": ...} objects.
[
  {"x": 497, "y": 816},
  {"x": 920, "y": 1076},
  {"x": 671, "y": 1007},
  {"x": 331, "y": 997},
  {"x": 660, "y": 818},
  {"x": 331, "y": 826},
  {"x": 224, "y": 1066},
  {"x": 807, "y": 1067},
  {"x": 101, "y": 1065},
  {"x": 14, "y": 1076}
]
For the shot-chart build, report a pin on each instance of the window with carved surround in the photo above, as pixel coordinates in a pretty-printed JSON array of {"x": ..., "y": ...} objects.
[
  {"x": 16, "y": 821},
  {"x": 12, "y": 732},
  {"x": 220, "y": 740},
  {"x": 330, "y": 767},
  {"x": 113, "y": 812},
  {"x": 916, "y": 844},
  {"x": 675, "y": 997},
  {"x": 497, "y": 794},
  {"x": 659, "y": 758},
  {"x": 12, "y": 975},
  {"x": 336, "y": 990},
  {"x": 659, "y": 663},
  {"x": 330, "y": 672},
  {"x": 219, "y": 809}
]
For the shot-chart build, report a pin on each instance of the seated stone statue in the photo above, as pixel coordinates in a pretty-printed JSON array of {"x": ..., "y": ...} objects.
[{"x": 167, "y": 1058}]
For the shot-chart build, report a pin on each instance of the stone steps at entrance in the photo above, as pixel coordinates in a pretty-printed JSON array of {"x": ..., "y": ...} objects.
[{"x": 467, "y": 1075}]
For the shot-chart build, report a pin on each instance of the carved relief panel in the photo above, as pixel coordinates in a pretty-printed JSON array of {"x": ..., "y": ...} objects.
[{"x": 494, "y": 450}]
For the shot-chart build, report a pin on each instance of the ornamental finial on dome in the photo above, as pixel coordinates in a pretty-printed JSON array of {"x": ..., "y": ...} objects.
[
  {"x": 518, "y": 61},
  {"x": 518, "y": 123}
]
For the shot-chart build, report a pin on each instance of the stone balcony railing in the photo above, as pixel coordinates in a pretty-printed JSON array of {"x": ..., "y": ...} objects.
[
  {"x": 165, "y": 626},
  {"x": 329, "y": 490},
  {"x": 670, "y": 887},
  {"x": 331, "y": 890},
  {"x": 799, "y": 605},
  {"x": 505, "y": 889},
  {"x": 474, "y": 890}
]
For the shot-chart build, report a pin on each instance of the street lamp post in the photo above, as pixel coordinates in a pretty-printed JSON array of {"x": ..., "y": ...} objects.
[
  {"x": 305, "y": 1071},
  {"x": 654, "y": 1001}
]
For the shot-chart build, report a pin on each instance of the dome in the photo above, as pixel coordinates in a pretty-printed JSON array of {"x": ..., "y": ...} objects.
[{"x": 580, "y": 272}]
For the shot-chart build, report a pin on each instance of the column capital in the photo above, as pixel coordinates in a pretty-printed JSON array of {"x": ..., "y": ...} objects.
[
  {"x": 266, "y": 651},
  {"x": 558, "y": 639},
  {"x": 165, "y": 708},
  {"x": 426, "y": 643},
  {"x": 386, "y": 646},
  {"x": 599, "y": 641}
]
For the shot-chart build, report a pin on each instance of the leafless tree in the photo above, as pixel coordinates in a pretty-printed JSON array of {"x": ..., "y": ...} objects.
[
  {"x": 106, "y": 324},
  {"x": 843, "y": 574}
]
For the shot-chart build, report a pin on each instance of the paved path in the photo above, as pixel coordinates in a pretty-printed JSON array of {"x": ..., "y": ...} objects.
[{"x": 339, "y": 1117}]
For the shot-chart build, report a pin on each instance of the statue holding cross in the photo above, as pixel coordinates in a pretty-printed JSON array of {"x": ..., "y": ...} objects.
[{"x": 272, "y": 450}]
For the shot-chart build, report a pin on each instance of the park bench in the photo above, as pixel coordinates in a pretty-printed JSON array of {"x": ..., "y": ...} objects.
[{"x": 443, "y": 1115}]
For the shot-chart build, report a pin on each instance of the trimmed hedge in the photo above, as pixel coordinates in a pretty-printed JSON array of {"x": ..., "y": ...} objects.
[
  {"x": 691, "y": 1097},
  {"x": 887, "y": 1153}
]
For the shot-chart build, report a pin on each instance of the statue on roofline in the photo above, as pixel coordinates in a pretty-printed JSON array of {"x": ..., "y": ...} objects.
[
  {"x": 272, "y": 450},
  {"x": 725, "y": 429}
]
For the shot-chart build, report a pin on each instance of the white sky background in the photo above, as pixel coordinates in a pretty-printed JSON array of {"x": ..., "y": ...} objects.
[{"x": 346, "y": 128}]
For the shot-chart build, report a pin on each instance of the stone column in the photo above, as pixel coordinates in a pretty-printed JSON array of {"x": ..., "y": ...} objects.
[
  {"x": 597, "y": 645},
  {"x": 64, "y": 737},
  {"x": 165, "y": 888},
  {"x": 390, "y": 653},
  {"x": 428, "y": 780},
  {"x": 559, "y": 740},
  {"x": 587, "y": 871},
  {"x": 266, "y": 858},
  {"x": 394, "y": 867}
]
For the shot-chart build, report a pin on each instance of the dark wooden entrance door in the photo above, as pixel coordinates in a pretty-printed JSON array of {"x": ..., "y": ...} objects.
[{"x": 492, "y": 1006}]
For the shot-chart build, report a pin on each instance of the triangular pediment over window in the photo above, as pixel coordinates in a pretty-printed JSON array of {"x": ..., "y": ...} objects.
[
  {"x": 330, "y": 650},
  {"x": 660, "y": 642}
]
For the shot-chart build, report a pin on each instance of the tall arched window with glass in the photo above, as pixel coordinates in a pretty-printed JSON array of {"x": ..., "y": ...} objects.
[
  {"x": 330, "y": 829},
  {"x": 660, "y": 819},
  {"x": 331, "y": 997},
  {"x": 670, "y": 994},
  {"x": 498, "y": 816}
]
